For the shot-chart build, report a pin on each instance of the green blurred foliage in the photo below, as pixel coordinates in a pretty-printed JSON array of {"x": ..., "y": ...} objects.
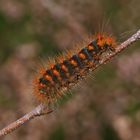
[{"x": 58, "y": 134}]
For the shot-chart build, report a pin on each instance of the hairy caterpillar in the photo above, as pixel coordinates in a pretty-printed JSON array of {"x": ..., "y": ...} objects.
[{"x": 67, "y": 70}]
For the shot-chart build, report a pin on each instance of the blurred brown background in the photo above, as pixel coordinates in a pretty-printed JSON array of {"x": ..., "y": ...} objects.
[{"x": 106, "y": 107}]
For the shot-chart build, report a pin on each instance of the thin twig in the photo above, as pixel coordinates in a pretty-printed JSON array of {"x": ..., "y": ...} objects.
[
  {"x": 38, "y": 111},
  {"x": 42, "y": 109}
]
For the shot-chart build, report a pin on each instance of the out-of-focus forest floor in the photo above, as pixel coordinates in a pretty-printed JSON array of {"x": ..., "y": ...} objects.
[{"x": 105, "y": 107}]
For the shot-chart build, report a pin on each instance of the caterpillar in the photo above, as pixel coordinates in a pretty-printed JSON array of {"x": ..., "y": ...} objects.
[{"x": 66, "y": 70}]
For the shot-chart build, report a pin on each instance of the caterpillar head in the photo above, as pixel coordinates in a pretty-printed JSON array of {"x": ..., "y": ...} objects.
[{"x": 106, "y": 42}]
